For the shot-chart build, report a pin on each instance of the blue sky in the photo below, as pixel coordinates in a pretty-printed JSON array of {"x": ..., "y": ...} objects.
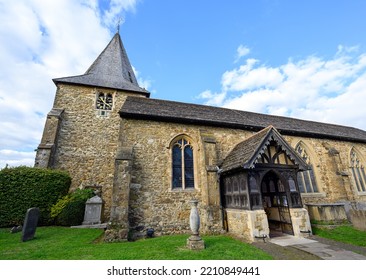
[{"x": 303, "y": 59}]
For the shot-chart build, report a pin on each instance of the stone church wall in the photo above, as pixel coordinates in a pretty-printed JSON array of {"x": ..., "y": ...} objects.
[
  {"x": 154, "y": 204},
  {"x": 87, "y": 145},
  {"x": 87, "y": 142}
]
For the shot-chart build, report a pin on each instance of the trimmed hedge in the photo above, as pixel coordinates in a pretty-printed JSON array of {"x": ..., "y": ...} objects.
[
  {"x": 69, "y": 210},
  {"x": 25, "y": 187}
]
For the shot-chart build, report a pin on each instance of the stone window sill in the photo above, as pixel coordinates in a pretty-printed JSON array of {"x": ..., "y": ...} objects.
[
  {"x": 305, "y": 195},
  {"x": 183, "y": 190}
]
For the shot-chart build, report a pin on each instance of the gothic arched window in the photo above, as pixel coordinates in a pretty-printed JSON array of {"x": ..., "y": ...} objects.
[
  {"x": 358, "y": 171},
  {"x": 182, "y": 161},
  {"x": 306, "y": 179}
]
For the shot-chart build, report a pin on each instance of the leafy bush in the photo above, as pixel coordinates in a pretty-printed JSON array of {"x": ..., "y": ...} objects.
[
  {"x": 26, "y": 187},
  {"x": 69, "y": 210}
]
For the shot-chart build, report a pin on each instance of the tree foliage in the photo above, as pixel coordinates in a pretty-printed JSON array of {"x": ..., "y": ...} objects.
[{"x": 69, "y": 210}]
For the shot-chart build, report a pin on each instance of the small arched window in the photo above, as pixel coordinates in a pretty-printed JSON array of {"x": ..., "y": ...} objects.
[
  {"x": 358, "y": 171},
  {"x": 306, "y": 179},
  {"x": 183, "y": 166}
]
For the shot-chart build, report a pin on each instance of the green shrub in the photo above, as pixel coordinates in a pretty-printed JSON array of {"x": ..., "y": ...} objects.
[
  {"x": 26, "y": 187},
  {"x": 69, "y": 210}
]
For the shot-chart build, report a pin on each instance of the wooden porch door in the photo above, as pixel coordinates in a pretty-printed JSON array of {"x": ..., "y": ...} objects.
[{"x": 276, "y": 204}]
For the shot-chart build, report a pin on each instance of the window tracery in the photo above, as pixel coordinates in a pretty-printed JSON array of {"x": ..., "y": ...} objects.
[
  {"x": 306, "y": 179},
  {"x": 358, "y": 171}
]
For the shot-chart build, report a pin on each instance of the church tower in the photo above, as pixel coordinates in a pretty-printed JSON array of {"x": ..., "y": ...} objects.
[{"x": 81, "y": 132}]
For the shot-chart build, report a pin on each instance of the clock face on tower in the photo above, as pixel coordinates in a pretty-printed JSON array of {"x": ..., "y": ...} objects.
[{"x": 104, "y": 101}]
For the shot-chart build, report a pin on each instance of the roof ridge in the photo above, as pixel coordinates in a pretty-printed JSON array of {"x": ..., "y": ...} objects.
[
  {"x": 179, "y": 112},
  {"x": 239, "y": 112}
]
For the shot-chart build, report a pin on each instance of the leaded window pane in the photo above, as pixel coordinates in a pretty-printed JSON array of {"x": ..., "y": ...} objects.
[
  {"x": 312, "y": 178},
  {"x": 229, "y": 186},
  {"x": 188, "y": 167},
  {"x": 292, "y": 184},
  {"x": 253, "y": 184},
  {"x": 235, "y": 185},
  {"x": 355, "y": 178},
  {"x": 300, "y": 181},
  {"x": 362, "y": 186},
  {"x": 307, "y": 181},
  {"x": 243, "y": 184},
  {"x": 235, "y": 191},
  {"x": 177, "y": 167}
]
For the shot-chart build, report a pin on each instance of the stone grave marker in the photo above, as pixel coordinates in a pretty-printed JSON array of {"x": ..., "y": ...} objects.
[
  {"x": 93, "y": 211},
  {"x": 30, "y": 224}
]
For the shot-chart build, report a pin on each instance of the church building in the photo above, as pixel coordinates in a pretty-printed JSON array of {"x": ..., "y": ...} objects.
[{"x": 254, "y": 175}]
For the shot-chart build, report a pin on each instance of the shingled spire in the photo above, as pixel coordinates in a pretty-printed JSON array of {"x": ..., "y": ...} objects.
[{"x": 111, "y": 69}]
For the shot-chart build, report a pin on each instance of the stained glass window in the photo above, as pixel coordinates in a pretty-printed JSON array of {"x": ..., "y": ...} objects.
[{"x": 183, "y": 166}]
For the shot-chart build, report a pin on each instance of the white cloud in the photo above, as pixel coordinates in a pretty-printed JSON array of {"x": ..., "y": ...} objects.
[
  {"x": 214, "y": 99},
  {"x": 241, "y": 52},
  {"x": 116, "y": 11},
  {"x": 313, "y": 88},
  {"x": 14, "y": 158},
  {"x": 247, "y": 77},
  {"x": 144, "y": 83},
  {"x": 42, "y": 40}
]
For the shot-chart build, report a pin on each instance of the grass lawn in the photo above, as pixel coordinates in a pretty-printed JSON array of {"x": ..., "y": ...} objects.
[
  {"x": 345, "y": 234},
  {"x": 59, "y": 243}
]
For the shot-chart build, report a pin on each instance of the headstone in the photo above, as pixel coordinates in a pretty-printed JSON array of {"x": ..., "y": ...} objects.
[
  {"x": 93, "y": 211},
  {"x": 30, "y": 224}
]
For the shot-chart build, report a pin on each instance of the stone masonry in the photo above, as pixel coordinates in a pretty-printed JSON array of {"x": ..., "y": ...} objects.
[
  {"x": 87, "y": 142},
  {"x": 126, "y": 153}
]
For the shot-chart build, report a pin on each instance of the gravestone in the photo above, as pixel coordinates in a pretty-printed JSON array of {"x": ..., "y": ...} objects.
[
  {"x": 93, "y": 211},
  {"x": 30, "y": 224}
]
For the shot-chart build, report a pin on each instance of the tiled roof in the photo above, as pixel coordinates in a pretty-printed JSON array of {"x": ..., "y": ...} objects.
[
  {"x": 169, "y": 111},
  {"x": 111, "y": 69},
  {"x": 246, "y": 153}
]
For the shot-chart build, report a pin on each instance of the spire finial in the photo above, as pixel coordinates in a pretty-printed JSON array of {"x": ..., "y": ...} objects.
[{"x": 120, "y": 20}]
